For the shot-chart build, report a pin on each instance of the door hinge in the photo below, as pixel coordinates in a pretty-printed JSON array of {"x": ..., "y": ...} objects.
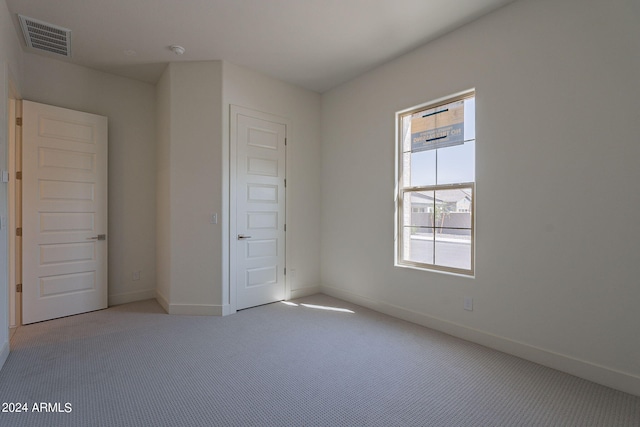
[
  {"x": 285, "y": 271},
  {"x": 19, "y": 287},
  {"x": 19, "y": 121},
  {"x": 19, "y": 231},
  {"x": 285, "y": 141},
  {"x": 285, "y": 227},
  {"x": 285, "y": 183},
  {"x": 19, "y": 175}
]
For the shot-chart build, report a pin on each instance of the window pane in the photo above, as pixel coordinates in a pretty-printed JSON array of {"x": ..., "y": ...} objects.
[
  {"x": 453, "y": 208},
  {"x": 453, "y": 237},
  {"x": 418, "y": 208},
  {"x": 418, "y": 244},
  {"x": 438, "y": 127},
  {"x": 423, "y": 168},
  {"x": 453, "y": 248},
  {"x": 456, "y": 164}
]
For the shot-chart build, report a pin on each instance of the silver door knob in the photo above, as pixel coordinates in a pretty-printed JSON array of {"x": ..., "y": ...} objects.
[
  {"x": 98, "y": 237},
  {"x": 242, "y": 236}
]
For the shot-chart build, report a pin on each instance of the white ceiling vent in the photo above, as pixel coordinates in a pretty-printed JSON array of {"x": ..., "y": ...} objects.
[{"x": 43, "y": 36}]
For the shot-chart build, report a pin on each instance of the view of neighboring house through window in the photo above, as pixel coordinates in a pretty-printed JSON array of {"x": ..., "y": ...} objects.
[{"x": 436, "y": 185}]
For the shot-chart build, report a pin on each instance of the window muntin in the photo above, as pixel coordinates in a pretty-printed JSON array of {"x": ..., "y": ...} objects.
[{"x": 436, "y": 186}]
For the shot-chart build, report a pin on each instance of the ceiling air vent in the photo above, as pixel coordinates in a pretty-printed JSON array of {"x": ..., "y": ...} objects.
[{"x": 43, "y": 36}]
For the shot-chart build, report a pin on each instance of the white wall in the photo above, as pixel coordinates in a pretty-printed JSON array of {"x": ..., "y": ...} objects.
[
  {"x": 163, "y": 190},
  {"x": 130, "y": 107},
  {"x": 249, "y": 89},
  {"x": 557, "y": 170},
  {"x": 190, "y": 183},
  {"x": 193, "y": 166},
  {"x": 10, "y": 69}
]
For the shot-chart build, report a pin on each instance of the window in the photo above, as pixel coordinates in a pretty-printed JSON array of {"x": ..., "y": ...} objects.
[{"x": 436, "y": 185}]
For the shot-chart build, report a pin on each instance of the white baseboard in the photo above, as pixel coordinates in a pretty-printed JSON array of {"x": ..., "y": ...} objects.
[
  {"x": 304, "y": 292},
  {"x": 4, "y": 353},
  {"x": 590, "y": 371},
  {"x": 127, "y": 297},
  {"x": 191, "y": 309},
  {"x": 162, "y": 300}
]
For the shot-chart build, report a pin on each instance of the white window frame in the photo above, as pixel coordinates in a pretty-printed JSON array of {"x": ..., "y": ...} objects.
[{"x": 400, "y": 191}]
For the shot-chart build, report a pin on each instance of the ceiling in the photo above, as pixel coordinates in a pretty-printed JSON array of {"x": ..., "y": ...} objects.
[{"x": 316, "y": 44}]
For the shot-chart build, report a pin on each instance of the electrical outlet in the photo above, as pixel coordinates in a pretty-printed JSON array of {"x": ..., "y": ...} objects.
[
  {"x": 468, "y": 303},
  {"x": 213, "y": 219},
  {"x": 136, "y": 275}
]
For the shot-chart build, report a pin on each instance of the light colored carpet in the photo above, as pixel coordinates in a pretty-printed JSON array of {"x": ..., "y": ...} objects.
[{"x": 284, "y": 365}]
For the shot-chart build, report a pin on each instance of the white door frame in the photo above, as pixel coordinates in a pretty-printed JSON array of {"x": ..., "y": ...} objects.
[
  {"x": 234, "y": 110},
  {"x": 14, "y": 213}
]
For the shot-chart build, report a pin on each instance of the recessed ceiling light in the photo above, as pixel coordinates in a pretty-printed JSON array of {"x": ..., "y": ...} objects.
[{"x": 130, "y": 52}]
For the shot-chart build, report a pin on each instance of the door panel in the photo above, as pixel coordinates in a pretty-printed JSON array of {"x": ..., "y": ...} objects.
[
  {"x": 258, "y": 238},
  {"x": 64, "y": 171}
]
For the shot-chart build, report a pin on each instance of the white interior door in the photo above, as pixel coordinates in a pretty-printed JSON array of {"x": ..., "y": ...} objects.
[
  {"x": 64, "y": 215},
  {"x": 258, "y": 226}
]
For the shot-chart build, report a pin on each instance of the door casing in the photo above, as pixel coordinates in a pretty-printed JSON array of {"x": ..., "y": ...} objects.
[{"x": 15, "y": 207}]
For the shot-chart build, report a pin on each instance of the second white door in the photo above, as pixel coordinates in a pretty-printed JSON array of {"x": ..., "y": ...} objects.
[{"x": 258, "y": 190}]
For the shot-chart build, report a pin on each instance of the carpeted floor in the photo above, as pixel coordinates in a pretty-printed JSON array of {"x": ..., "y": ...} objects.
[{"x": 283, "y": 365}]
